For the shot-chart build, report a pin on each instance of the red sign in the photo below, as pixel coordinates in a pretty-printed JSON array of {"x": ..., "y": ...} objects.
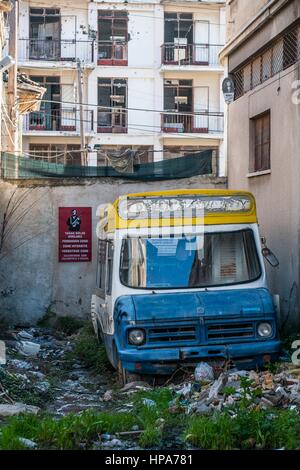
[{"x": 75, "y": 234}]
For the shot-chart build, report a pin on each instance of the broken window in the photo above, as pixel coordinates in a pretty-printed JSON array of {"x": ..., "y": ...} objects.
[
  {"x": 113, "y": 37},
  {"x": 178, "y": 98},
  {"x": 48, "y": 118},
  {"x": 178, "y": 39},
  {"x": 66, "y": 154},
  {"x": 112, "y": 102},
  {"x": 44, "y": 33}
]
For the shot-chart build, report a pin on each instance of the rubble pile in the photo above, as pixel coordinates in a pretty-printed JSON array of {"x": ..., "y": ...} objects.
[{"x": 218, "y": 391}]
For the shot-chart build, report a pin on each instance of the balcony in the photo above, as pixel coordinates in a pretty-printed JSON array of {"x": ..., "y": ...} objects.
[
  {"x": 191, "y": 54},
  {"x": 64, "y": 121},
  {"x": 52, "y": 50},
  {"x": 192, "y": 123},
  {"x": 112, "y": 53},
  {"x": 112, "y": 121}
]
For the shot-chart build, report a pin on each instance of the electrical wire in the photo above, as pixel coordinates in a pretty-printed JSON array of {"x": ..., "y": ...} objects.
[
  {"x": 93, "y": 105},
  {"x": 192, "y": 7}
]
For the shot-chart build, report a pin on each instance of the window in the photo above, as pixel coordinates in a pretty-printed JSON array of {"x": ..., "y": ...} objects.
[
  {"x": 212, "y": 259},
  {"x": 112, "y": 94},
  {"x": 101, "y": 271},
  {"x": 113, "y": 37},
  {"x": 44, "y": 33},
  {"x": 179, "y": 26},
  {"x": 178, "y": 98},
  {"x": 105, "y": 266},
  {"x": 261, "y": 142},
  {"x": 65, "y": 154}
]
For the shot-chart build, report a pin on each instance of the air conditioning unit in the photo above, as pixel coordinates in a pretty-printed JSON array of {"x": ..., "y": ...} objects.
[
  {"x": 181, "y": 99},
  {"x": 117, "y": 98},
  {"x": 118, "y": 38},
  {"x": 180, "y": 49}
]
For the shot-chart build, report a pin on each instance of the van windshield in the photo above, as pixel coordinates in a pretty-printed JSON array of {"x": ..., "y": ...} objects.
[{"x": 207, "y": 260}]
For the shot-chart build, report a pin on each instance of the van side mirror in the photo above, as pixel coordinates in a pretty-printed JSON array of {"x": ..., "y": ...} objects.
[{"x": 270, "y": 257}]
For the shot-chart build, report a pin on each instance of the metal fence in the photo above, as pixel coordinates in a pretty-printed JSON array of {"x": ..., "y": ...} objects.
[
  {"x": 199, "y": 123},
  {"x": 56, "y": 50},
  {"x": 190, "y": 54},
  {"x": 280, "y": 55},
  {"x": 63, "y": 119}
]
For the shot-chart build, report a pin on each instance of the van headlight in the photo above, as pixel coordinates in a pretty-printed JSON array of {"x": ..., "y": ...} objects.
[
  {"x": 136, "y": 336},
  {"x": 265, "y": 330}
]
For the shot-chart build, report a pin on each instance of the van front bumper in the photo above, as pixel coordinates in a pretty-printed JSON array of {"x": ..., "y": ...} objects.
[{"x": 166, "y": 360}]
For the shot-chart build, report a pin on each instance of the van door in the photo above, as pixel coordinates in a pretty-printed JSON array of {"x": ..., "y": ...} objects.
[
  {"x": 108, "y": 289},
  {"x": 98, "y": 305}
]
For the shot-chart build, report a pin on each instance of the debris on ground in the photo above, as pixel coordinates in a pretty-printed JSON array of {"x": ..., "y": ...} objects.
[
  {"x": 204, "y": 372},
  {"x": 260, "y": 390},
  {"x": 17, "y": 408}
]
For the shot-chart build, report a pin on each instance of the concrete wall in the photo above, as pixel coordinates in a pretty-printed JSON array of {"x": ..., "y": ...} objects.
[
  {"x": 277, "y": 193},
  {"x": 239, "y": 12},
  {"x": 32, "y": 280}
]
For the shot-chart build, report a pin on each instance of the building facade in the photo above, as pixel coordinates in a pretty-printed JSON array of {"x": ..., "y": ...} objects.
[
  {"x": 147, "y": 71},
  {"x": 262, "y": 56}
]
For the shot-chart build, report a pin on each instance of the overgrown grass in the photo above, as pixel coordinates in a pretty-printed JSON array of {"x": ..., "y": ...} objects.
[
  {"x": 247, "y": 429},
  {"x": 89, "y": 351},
  {"x": 70, "y": 432},
  {"x": 154, "y": 416}
]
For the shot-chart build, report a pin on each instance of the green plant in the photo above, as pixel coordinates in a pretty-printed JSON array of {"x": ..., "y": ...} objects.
[
  {"x": 70, "y": 432},
  {"x": 257, "y": 428},
  {"x": 88, "y": 350},
  {"x": 68, "y": 325}
]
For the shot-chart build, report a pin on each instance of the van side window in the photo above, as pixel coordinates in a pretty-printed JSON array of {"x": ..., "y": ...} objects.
[
  {"x": 109, "y": 267},
  {"x": 101, "y": 278}
]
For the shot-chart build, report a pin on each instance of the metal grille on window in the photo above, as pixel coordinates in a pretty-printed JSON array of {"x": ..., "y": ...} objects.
[{"x": 279, "y": 56}]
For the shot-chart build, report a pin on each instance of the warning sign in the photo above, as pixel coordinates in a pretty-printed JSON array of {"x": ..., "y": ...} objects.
[{"x": 75, "y": 234}]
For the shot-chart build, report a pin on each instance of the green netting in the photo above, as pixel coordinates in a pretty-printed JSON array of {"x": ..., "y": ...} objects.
[{"x": 14, "y": 167}]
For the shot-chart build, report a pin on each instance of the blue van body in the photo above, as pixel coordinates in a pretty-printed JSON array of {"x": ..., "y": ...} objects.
[{"x": 183, "y": 328}]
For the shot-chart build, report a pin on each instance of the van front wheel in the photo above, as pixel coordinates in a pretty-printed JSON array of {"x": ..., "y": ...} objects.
[{"x": 125, "y": 377}]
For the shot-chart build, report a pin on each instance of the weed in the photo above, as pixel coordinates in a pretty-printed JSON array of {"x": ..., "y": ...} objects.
[
  {"x": 259, "y": 428},
  {"x": 68, "y": 325},
  {"x": 151, "y": 437},
  {"x": 70, "y": 432},
  {"x": 89, "y": 351},
  {"x": 228, "y": 391}
]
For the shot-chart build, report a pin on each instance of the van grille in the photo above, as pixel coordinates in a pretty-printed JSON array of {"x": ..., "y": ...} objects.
[
  {"x": 227, "y": 331},
  {"x": 172, "y": 334}
]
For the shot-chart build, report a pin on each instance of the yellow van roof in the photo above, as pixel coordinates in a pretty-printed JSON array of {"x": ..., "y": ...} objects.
[{"x": 206, "y": 206}]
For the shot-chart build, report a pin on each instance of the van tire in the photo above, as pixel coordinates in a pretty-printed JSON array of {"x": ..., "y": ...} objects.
[{"x": 124, "y": 377}]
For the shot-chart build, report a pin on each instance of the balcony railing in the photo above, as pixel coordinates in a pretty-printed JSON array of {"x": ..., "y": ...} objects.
[
  {"x": 190, "y": 54},
  {"x": 112, "y": 121},
  {"x": 112, "y": 53},
  {"x": 189, "y": 123},
  {"x": 56, "y": 50},
  {"x": 62, "y": 120}
]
